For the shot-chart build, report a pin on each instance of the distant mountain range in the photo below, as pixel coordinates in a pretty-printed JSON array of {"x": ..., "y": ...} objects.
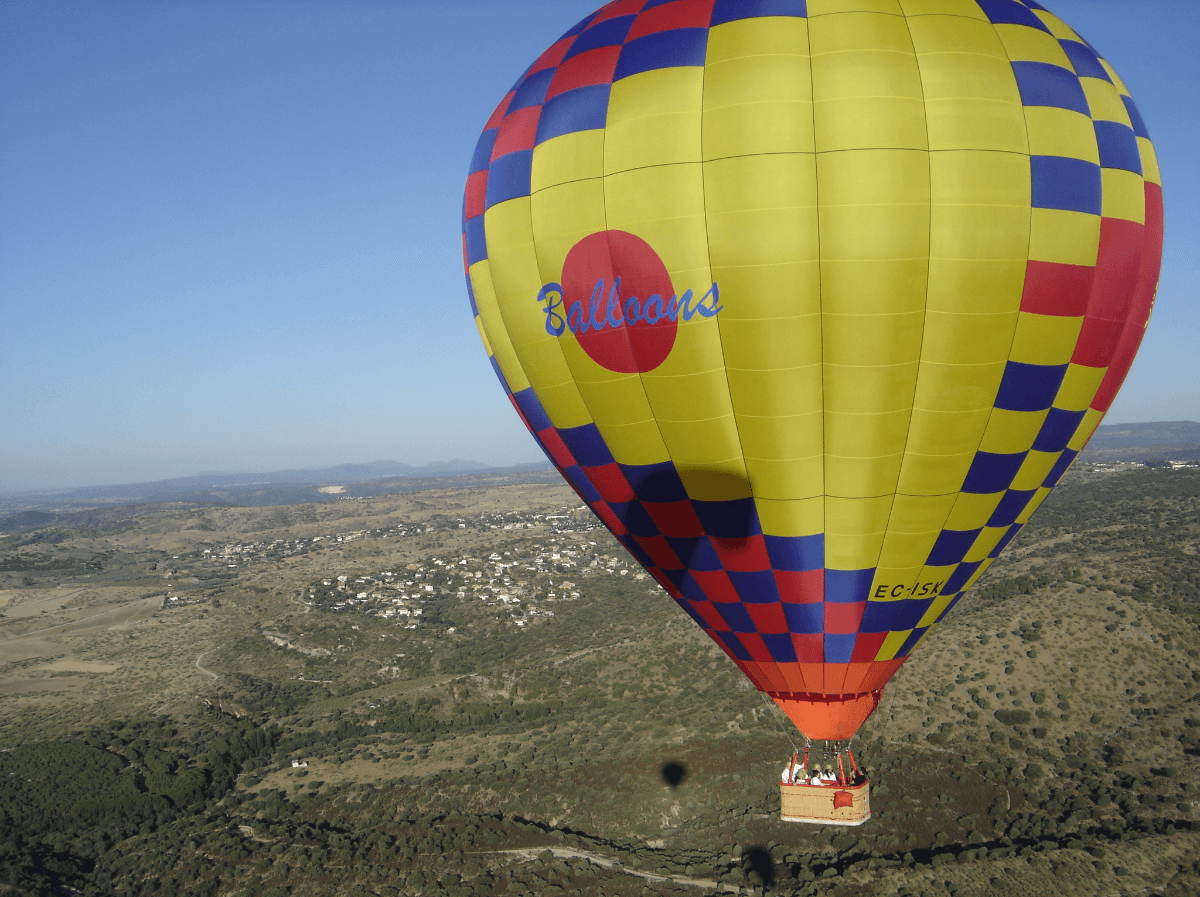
[
  {"x": 1177, "y": 440},
  {"x": 1176, "y": 432},
  {"x": 283, "y": 487},
  {"x": 342, "y": 473},
  {"x": 213, "y": 479}
]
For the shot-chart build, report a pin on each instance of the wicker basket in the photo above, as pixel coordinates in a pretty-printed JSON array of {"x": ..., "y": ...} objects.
[{"x": 826, "y": 804}]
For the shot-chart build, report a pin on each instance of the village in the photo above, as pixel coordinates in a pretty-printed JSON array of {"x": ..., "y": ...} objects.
[
  {"x": 519, "y": 584},
  {"x": 534, "y": 565},
  {"x": 575, "y": 519}
]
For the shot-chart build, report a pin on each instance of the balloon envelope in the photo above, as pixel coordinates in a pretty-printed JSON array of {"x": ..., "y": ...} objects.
[{"x": 813, "y": 303}]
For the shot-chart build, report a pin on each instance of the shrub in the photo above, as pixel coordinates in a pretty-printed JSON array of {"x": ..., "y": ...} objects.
[
  {"x": 843, "y": 842},
  {"x": 1013, "y": 717}
]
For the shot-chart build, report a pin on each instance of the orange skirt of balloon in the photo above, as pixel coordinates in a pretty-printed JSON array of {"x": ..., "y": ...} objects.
[{"x": 828, "y": 717}]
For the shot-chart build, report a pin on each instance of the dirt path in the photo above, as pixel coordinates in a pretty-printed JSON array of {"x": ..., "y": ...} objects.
[
  {"x": 205, "y": 670},
  {"x": 600, "y": 860},
  {"x": 624, "y": 643}
]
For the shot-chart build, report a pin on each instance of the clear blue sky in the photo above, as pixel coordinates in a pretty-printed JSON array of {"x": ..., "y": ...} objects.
[{"x": 229, "y": 230}]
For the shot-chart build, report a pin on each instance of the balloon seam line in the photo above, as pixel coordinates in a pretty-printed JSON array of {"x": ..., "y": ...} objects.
[
  {"x": 925, "y": 310},
  {"x": 821, "y": 319},
  {"x": 741, "y": 454}
]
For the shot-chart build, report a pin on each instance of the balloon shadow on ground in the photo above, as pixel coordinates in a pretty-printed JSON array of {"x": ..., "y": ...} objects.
[
  {"x": 758, "y": 860},
  {"x": 673, "y": 773}
]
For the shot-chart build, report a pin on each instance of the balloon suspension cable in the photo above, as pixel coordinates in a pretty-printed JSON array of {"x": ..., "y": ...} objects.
[{"x": 776, "y": 715}]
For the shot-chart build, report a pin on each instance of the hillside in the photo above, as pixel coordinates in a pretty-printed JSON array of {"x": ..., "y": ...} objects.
[{"x": 473, "y": 691}]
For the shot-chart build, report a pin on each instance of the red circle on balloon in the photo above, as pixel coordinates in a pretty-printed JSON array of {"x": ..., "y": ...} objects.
[{"x": 616, "y": 298}]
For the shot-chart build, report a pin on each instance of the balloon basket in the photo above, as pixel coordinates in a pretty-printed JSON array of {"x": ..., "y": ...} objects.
[{"x": 826, "y": 804}]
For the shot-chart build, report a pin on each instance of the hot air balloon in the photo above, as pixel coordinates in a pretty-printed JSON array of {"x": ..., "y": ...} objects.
[{"x": 813, "y": 302}]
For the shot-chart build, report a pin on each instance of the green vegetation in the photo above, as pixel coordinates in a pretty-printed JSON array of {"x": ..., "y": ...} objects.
[
  {"x": 273, "y": 733},
  {"x": 1133, "y": 534},
  {"x": 65, "y": 804}
]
